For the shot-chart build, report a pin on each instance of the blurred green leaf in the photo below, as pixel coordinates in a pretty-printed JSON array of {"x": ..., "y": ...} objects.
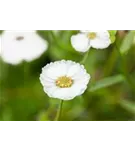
[
  {"x": 43, "y": 116},
  {"x": 44, "y": 34},
  {"x": 127, "y": 42},
  {"x": 112, "y": 32},
  {"x": 130, "y": 106},
  {"x": 106, "y": 82},
  {"x": 1, "y": 31},
  {"x": 74, "y": 109},
  {"x": 112, "y": 35},
  {"x": 113, "y": 38},
  {"x": 7, "y": 114}
]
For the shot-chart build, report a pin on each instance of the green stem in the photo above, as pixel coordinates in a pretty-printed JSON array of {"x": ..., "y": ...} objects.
[
  {"x": 56, "y": 40},
  {"x": 108, "y": 68},
  {"x": 58, "y": 115},
  {"x": 60, "y": 45},
  {"x": 54, "y": 36},
  {"x": 125, "y": 71},
  {"x": 111, "y": 62},
  {"x": 85, "y": 57}
]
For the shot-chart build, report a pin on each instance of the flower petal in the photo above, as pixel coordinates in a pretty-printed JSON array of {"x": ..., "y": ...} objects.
[
  {"x": 64, "y": 93},
  {"x": 80, "y": 42},
  {"x": 56, "y": 69},
  {"x": 76, "y": 70},
  {"x": 101, "y": 41},
  {"x": 34, "y": 47}
]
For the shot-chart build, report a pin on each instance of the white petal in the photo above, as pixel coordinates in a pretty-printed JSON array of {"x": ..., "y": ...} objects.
[
  {"x": 8, "y": 52},
  {"x": 101, "y": 41},
  {"x": 80, "y": 42},
  {"x": 64, "y": 93},
  {"x": 34, "y": 47},
  {"x": 79, "y": 89},
  {"x": 56, "y": 69},
  {"x": 50, "y": 91},
  {"x": 13, "y": 58},
  {"x": 76, "y": 70},
  {"x": 46, "y": 82},
  {"x": 80, "y": 77}
]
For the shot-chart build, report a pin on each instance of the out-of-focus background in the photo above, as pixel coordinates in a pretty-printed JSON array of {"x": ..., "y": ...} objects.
[{"x": 22, "y": 96}]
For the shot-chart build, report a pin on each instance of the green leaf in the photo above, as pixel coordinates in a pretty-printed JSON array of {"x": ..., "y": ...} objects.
[
  {"x": 113, "y": 38},
  {"x": 127, "y": 42},
  {"x": 43, "y": 116},
  {"x": 106, "y": 82},
  {"x": 7, "y": 114},
  {"x": 130, "y": 106},
  {"x": 112, "y": 32},
  {"x": 1, "y": 31},
  {"x": 112, "y": 35}
]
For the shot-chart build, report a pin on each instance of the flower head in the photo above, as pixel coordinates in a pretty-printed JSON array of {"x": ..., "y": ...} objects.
[
  {"x": 21, "y": 45},
  {"x": 90, "y": 38},
  {"x": 64, "y": 79}
]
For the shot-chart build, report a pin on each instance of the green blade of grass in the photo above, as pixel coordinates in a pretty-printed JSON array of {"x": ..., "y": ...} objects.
[
  {"x": 127, "y": 42},
  {"x": 106, "y": 82}
]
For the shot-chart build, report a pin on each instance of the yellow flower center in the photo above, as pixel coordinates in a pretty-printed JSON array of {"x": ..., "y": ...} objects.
[
  {"x": 91, "y": 35},
  {"x": 19, "y": 38},
  {"x": 64, "y": 82}
]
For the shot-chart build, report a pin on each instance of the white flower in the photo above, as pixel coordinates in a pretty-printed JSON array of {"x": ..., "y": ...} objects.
[
  {"x": 90, "y": 38},
  {"x": 64, "y": 79},
  {"x": 21, "y": 45}
]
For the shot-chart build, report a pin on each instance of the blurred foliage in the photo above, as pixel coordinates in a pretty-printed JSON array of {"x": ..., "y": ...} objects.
[{"x": 110, "y": 95}]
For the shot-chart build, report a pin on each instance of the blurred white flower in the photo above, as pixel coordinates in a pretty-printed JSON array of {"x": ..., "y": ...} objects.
[
  {"x": 90, "y": 38},
  {"x": 64, "y": 79},
  {"x": 21, "y": 45}
]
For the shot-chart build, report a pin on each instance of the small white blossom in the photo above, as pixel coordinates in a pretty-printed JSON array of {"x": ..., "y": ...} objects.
[
  {"x": 64, "y": 79},
  {"x": 90, "y": 38},
  {"x": 18, "y": 46}
]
